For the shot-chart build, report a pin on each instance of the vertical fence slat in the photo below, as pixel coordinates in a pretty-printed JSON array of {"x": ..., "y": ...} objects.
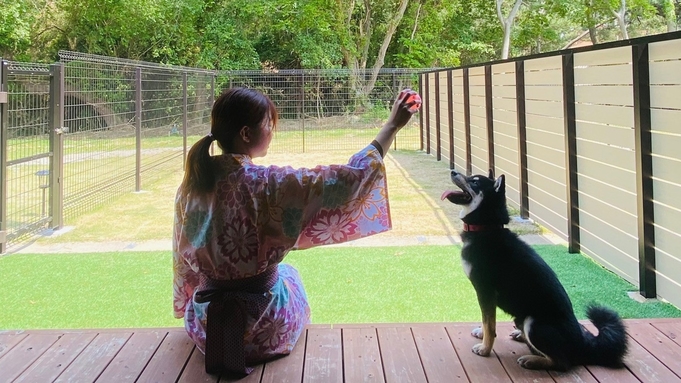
[
  {"x": 450, "y": 118},
  {"x": 644, "y": 171},
  {"x": 467, "y": 119},
  {"x": 570, "y": 133},
  {"x": 489, "y": 115},
  {"x": 522, "y": 138}
]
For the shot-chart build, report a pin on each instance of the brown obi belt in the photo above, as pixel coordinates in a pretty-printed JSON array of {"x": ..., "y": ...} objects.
[{"x": 231, "y": 301}]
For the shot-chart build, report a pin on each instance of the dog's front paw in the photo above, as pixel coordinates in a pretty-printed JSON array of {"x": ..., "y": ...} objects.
[
  {"x": 517, "y": 336},
  {"x": 480, "y": 349},
  {"x": 477, "y": 332}
]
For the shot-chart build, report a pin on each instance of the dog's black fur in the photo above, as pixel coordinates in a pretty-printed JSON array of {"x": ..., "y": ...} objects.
[{"x": 509, "y": 274}]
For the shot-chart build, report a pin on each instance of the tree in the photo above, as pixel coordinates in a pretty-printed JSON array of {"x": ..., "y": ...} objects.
[
  {"x": 358, "y": 24},
  {"x": 15, "y": 27},
  {"x": 507, "y": 24}
]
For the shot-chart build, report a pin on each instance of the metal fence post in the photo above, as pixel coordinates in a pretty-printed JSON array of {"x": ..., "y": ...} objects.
[
  {"x": 570, "y": 133},
  {"x": 184, "y": 119},
  {"x": 644, "y": 171},
  {"x": 302, "y": 105},
  {"x": 3, "y": 156},
  {"x": 438, "y": 127},
  {"x": 57, "y": 146},
  {"x": 138, "y": 129},
  {"x": 423, "y": 97},
  {"x": 427, "y": 111}
]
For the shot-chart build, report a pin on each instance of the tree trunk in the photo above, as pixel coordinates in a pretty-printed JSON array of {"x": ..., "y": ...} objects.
[
  {"x": 621, "y": 20},
  {"x": 380, "y": 60},
  {"x": 670, "y": 15},
  {"x": 507, "y": 24},
  {"x": 590, "y": 22}
]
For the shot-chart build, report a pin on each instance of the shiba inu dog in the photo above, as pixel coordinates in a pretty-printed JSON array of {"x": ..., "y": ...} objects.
[{"x": 507, "y": 273}]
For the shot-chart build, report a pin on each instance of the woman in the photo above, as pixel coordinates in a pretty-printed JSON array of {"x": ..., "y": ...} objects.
[{"x": 235, "y": 221}]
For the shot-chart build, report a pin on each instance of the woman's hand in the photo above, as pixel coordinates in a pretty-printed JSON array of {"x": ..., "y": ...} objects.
[{"x": 407, "y": 103}]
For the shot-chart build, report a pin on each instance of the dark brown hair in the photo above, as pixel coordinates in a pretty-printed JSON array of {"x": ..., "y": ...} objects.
[{"x": 234, "y": 109}]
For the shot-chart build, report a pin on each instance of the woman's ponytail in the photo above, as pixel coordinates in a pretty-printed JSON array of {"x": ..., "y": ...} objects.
[{"x": 199, "y": 173}]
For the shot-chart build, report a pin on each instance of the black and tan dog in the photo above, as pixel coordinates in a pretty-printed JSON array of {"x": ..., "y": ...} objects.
[{"x": 509, "y": 274}]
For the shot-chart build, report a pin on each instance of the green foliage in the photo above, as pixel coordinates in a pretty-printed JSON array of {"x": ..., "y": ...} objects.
[
  {"x": 15, "y": 27},
  {"x": 284, "y": 34}
]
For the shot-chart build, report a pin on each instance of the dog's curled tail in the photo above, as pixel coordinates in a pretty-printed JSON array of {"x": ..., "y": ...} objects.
[{"x": 609, "y": 347}]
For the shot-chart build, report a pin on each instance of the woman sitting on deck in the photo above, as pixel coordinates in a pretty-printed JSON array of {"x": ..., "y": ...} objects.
[{"x": 235, "y": 221}]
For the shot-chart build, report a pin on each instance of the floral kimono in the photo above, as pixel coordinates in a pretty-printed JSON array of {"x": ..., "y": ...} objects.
[{"x": 250, "y": 221}]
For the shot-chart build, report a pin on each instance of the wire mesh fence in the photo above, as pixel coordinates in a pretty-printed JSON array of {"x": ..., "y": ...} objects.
[
  {"x": 77, "y": 134},
  {"x": 25, "y": 157}
]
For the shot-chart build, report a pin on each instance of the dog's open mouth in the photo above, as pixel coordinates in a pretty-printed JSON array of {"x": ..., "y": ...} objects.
[{"x": 458, "y": 197}]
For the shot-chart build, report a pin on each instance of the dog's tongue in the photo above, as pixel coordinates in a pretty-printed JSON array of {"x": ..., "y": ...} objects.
[
  {"x": 446, "y": 194},
  {"x": 457, "y": 197}
]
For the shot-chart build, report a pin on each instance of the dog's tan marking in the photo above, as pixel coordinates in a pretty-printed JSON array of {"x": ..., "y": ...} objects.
[{"x": 489, "y": 329}]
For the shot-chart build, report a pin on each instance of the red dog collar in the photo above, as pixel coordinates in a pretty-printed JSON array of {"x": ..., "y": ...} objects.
[{"x": 467, "y": 227}]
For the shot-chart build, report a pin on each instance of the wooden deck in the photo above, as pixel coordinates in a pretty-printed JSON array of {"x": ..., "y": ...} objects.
[{"x": 438, "y": 352}]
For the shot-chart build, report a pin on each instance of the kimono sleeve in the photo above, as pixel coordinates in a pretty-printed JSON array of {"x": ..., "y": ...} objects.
[
  {"x": 185, "y": 279},
  {"x": 334, "y": 204}
]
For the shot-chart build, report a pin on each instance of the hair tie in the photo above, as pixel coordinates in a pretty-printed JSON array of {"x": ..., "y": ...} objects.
[{"x": 211, "y": 137}]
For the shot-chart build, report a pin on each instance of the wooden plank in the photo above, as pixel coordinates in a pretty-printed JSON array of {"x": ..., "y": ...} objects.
[
  {"x": 195, "y": 370},
  {"x": 361, "y": 355},
  {"x": 323, "y": 356},
  {"x": 645, "y": 366},
  {"x": 665, "y": 50},
  {"x": 9, "y": 341},
  {"x": 545, "y": 64},
  {"x": 622, "y": 116},
  {"x": 288, "y": 369},
  {"x": 605, "y": 57},
  {"x": 546, "y": 93},
  {"x": 439, "y": 359},
  {"x": 665, "y": 72},
  {"x": 660, "y": 96},
  {"x": 23, "y": 354},
  {"x": 605, "y": 95},
  {"x": 55, "y": 360},
  {"x": 253, "y": 377},
  {"x": 576, "y": 374},
  {"x": 671, "y": 330},
  {"x": 509, "y": 351},
  {"x": 128, "y": 364},
  {"x": 169, "y": 360},
  {"x": 659, "y": 345},
  {"x": 94, "y": 359},
  {"x": 400, "y": 358},
  {"x": 603, "y": 75},
  {"x": 478, "y": 368}
]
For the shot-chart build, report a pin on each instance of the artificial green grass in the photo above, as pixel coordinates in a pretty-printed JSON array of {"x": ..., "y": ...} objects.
[{"x": 344, "y": 285}]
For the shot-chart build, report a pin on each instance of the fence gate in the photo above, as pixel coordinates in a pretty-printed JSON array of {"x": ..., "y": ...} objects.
[{"x": 31, "y": 114}]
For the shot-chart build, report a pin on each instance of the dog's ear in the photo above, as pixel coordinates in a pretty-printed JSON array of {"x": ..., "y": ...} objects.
[
  {"x": 491, "y": 174},
  {"x": 500, "y": 184}
]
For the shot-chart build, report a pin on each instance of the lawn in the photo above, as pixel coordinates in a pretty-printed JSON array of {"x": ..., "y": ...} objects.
[{"x": 344, "y": 285}]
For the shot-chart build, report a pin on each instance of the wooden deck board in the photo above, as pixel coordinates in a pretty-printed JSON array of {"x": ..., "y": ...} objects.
[{"x": 384, "y": 353}]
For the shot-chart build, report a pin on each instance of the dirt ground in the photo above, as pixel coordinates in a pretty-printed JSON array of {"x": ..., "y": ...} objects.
[{"x": 415, "y": 183}]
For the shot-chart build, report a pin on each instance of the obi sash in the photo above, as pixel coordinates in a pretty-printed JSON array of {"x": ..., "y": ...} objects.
[{"x": 230, "y": 303}]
